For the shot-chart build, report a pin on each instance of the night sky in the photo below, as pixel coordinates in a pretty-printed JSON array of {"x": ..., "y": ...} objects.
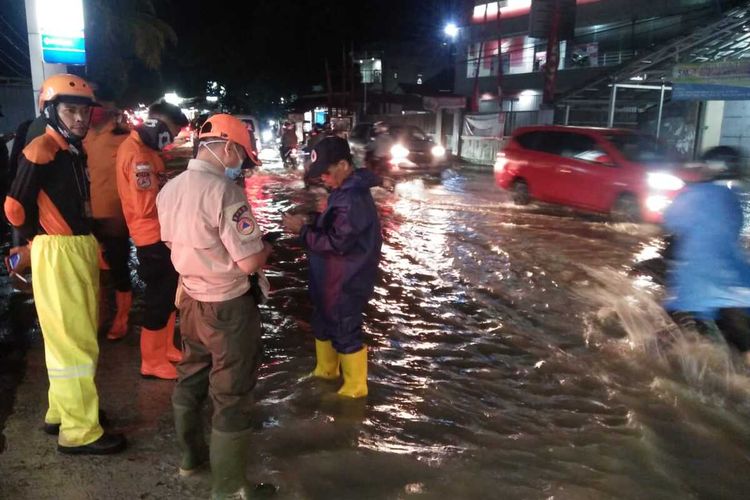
[
  {"x": 287, "y": 41},
  {"x": 260, "y": 47}
]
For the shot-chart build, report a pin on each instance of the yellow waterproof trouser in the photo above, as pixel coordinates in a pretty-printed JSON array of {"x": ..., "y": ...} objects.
[{"x": 66, "y": 288}]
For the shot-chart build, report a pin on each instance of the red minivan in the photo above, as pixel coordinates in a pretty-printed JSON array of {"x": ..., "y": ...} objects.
[{"x": 621, "y": 172}]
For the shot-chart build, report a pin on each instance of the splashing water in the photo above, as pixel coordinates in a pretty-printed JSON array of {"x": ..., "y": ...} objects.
[{"x": 706, "y": 364}]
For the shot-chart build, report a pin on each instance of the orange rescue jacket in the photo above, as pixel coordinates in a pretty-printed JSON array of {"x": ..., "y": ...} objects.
[
  {"x": 101, "y": 151},
  {"x": 140, "y": 174}
]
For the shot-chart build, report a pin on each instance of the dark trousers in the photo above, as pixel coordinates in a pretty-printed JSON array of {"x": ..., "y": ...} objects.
[
  {"x": 160, "y": 278},
  {"x": 116, "y": 252},
  {"x": 341, "y": 324},
  {"x": 732, "y": 323},
  {"x": 222, "y": 351}
]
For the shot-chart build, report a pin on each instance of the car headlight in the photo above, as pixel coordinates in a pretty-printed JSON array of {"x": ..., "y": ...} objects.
[
  {"x": 657, "y": 203},
  {"x": 664, "y": 182},
  {"x": 438, "y": 150},
  {"x": 399, "y": 153}
]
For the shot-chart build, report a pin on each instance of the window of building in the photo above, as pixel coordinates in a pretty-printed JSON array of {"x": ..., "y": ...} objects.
[
  {"x": 488, "y": 12},
  {"x": 371, "y": 70},
  {"x": 517, "y": 56}
]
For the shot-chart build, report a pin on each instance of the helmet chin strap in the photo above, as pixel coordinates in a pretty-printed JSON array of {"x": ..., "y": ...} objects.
[{"x": 53, "y": 119}]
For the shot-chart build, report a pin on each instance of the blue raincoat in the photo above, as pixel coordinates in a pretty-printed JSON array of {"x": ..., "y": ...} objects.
[
  {"x": 710, "y": 271},
  {"x": 343, "y": 245}
]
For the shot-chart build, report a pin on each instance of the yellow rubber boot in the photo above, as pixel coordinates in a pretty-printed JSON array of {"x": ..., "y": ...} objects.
[
  {"x": 173, "y": 354},
  {"x": 327, "y": 360},
  {"x": 354, "y": 366},
  {"x": 120, "y": 324}
]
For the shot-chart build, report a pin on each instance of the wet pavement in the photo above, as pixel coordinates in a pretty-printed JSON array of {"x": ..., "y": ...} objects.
[{"x": 511, "y": 356}]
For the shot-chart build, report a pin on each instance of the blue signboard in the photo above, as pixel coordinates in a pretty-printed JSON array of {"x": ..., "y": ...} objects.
[
  {"x": 708, "y": 92},
  {"x": 715, "y": 81},
  {"x": 61, "y": 25},
  {"x": 63, "y": 50}
]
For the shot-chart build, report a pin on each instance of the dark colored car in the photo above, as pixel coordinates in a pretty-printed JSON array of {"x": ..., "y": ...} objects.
[
  {"x": 625, "y": 173},
  {"x": 412, "y": 150}
]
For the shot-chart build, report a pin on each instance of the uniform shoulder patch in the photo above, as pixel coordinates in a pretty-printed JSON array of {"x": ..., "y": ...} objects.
[
  {"x": 243, "y": 220},
  {"x": 143, "y": 176}
]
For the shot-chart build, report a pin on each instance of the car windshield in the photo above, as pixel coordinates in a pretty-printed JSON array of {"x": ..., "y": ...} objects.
[
  {"x": 640, "y": 148},
  {"x": 408, "y": 132}
]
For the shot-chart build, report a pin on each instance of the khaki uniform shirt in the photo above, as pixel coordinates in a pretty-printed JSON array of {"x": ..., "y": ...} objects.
[{"x": 206, "y": 220}]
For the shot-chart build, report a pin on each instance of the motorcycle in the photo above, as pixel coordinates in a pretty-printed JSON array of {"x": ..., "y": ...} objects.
[{"x": 289, "y": 158}]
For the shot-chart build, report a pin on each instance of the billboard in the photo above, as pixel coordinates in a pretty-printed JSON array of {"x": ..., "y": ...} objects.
[
  {"x": 718, "y": 81},
  {"x": 61, "y": 28}
]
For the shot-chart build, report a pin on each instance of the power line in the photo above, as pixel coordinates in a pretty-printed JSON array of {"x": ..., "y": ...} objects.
[
  {"x": 13, "y": 30},
  {"x": 25, "y": 54},
  {"x": 12, "y": 60},
  {"x": 9, "y": 66}
]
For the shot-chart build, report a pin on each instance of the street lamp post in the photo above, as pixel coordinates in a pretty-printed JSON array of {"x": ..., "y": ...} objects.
[{"x": 451, "y": 31}]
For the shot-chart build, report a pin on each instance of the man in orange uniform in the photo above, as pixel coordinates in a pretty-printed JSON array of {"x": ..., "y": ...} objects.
[
  {"x": 140, "y": 175},
  {"x": 106, "y": 134},
  {"x": 49, "y": 202}
]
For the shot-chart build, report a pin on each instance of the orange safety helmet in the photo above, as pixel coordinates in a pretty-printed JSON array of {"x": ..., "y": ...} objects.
[
  {"x": 229, "y": 128},
  {"x": 65, "y": 85}
]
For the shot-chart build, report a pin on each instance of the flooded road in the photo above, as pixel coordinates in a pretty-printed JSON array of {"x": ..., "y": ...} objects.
[{"x": 511, "y": 356}]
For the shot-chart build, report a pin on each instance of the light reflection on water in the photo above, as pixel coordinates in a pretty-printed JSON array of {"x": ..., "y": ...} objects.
[{"x": 498, "y": 363}]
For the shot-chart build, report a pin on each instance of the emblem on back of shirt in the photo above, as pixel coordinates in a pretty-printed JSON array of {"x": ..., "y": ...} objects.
[{"x": 244, "y": 221}]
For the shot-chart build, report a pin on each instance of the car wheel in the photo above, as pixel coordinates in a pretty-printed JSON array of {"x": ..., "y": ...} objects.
[
  {"x": 626, "y": 209},
  {"x": 521, "y": 194}
]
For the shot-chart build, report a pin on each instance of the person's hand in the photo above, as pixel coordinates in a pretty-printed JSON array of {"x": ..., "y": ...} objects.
[
  {"x": 389, "y": 184},
  {"x": 293, "y": 222},
  {"x": 25, "y": 263},
  {"x": 267, "y": 248}
]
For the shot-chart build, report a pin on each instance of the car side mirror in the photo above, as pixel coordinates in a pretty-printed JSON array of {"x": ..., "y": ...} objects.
[{"x": 605, "y": 159}]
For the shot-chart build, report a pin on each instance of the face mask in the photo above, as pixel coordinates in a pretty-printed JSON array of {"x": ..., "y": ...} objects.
[
  {"x": 155, "y": 134},
  {"x": 233, "y": 172}
]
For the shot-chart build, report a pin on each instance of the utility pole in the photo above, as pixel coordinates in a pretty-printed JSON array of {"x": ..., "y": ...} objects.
[
  {"x": 342, "y": 101},
  {"x": 352, "y": 88},
  {"x": 499, "y": 61},
  {"x": 364, "y": 84},
  {"x": 553, "y": 55},
  {"x": 330, "y": 90},
  {"x": 475, "y": 97}
]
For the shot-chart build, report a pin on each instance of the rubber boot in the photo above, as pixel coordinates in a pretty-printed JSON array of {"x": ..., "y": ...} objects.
[
  {"x": 228, "y": 464},
  {"x": 354, "y": 366},
  {"x": 119, "y": 326},
  {"x": 173, "y": 354},
  {"x": 189, "y": 429},
  {"x": 154, "y": 362},
  {"x": 327, "y": 360}
]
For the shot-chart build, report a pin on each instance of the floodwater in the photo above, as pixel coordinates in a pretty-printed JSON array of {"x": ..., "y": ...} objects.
[{"x": 512, "y": 355}]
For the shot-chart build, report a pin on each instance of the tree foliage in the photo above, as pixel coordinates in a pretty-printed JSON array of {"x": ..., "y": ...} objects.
[{"x": 123, "y": 37}]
